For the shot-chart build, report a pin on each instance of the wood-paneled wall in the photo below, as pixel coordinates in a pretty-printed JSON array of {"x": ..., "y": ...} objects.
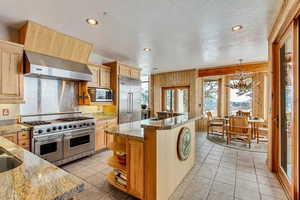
[{"x": 171, "y": 79}]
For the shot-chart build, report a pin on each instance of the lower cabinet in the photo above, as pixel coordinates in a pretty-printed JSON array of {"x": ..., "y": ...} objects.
[
  {"x": 21, "y": 138},
  {"x": 136, "y": 168},
  {"x": 103, "y": 140}
]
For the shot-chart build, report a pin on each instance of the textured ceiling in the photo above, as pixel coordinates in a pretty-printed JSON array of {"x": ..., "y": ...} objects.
[{"x": 181, "y": 34}]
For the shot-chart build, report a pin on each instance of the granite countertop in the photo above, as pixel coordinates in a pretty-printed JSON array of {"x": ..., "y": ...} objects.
[
  {"x": 7, "y": 129},
  {"x": 130, "y": 130},
  {"x": 102, "y": 116},
  {"x": 169, "y": 123},
  {"x": 135, "y": 130},
  {"x": 35, "y": 178}
]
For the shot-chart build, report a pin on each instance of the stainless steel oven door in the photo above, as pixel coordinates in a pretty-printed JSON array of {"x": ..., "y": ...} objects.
[
  {"x": 79, "y": 141},
  {"x": 49, "y": 147}
]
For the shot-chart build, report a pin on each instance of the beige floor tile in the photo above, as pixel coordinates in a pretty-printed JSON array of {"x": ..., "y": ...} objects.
[
  {"x": 219, "y": 196},
  {"x": 222, "y": 188},
  {"x": 272, "y": 191},
  {"x": 247, "y": 195}
]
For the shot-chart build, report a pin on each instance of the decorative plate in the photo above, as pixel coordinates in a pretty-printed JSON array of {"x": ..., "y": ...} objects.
[{"x": 184, "y": 143}]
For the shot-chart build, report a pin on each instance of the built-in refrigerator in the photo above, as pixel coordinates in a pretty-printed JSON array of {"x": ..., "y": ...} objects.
[{"x": 129, "y": 100}]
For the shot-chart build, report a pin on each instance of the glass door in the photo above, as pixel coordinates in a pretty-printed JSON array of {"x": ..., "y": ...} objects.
[
  {"x": 286, "y": 110},
  {"x": 175, "y": 99}
]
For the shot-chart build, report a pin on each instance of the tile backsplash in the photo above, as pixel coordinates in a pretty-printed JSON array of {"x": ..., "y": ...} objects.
[{"x": 13, "y": 111}]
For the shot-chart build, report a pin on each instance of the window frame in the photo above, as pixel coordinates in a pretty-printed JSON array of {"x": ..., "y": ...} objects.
[
  {"x": 229, "y": 96},
  {"x": 163, "y": 106},
  {"x": 219, "y": 94}
]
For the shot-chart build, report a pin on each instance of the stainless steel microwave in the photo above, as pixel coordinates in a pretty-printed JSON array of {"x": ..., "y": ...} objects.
[{"x": 100, "y": 94}]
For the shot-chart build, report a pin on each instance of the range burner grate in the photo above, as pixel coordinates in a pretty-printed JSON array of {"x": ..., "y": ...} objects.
[
  {"x": 36, "y": 123},
  {"x": 71, "y": 119}
]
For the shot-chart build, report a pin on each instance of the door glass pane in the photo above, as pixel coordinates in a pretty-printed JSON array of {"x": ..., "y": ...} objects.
[
  {"x": 169, "y": 100},
  {"x": 48, "y": 148},
  {"x": 211, "y": 97},
  {"x": 80, "y": 140},
  {"x": 286, "y": 106},
  {"x": 182, "y": 100}
]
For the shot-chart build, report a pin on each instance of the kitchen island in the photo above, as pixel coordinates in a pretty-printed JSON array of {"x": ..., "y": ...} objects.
[
  {"x": 34, "y": 178},
  {"x": 151, "y": 157}
]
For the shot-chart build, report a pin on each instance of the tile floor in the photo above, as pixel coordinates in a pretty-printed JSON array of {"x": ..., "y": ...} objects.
[{"x": 220, "y": 173}]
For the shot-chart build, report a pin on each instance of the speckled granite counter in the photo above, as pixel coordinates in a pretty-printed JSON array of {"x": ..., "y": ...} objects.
[
  {"x": 130, "y": 130},
  {"x": 169, "y": 123},
  {"x": 101, "y": 116},
  {"x": 7, "y": 129},
  {"x": 136, "y": 129},
  {"x": 35, "y": 178}
]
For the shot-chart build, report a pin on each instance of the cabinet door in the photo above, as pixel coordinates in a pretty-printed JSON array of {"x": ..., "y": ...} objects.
[
  {"x": 11, "y": 59},
  {"x": 105, "y": 77},
  {"x": 110, "y": 124},
  {"x": 136, "y": 167},
  {"x": 124, "y": 70},
  {"x": 100, "y": 136},
  {"x": 96, "y": 76},
  {"x": 135, "y": 73},
  {"x": 12, "y": 137}
]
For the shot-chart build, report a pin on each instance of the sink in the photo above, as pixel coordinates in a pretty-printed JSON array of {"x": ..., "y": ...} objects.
[
  {"x": 154, "y": 119},
  {"x": 8, "y": 161}
]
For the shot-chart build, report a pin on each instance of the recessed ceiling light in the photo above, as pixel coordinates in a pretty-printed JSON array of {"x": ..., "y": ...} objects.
[
  {"x": 147, "y": 49},
  {"x": 237, "y": 28},
  {"x": 91, "y": 21}
]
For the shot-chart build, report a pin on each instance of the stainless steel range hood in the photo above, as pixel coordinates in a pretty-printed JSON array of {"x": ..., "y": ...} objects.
[{"x": 40, "y": 65}]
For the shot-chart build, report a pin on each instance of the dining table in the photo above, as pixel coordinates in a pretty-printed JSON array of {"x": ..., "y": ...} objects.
[{"x": 253, "y": 121}]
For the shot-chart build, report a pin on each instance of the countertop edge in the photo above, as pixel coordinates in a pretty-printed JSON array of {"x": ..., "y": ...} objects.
[
  {"x": 125, "y": 135},
  {"x": 166, "y": 127}
]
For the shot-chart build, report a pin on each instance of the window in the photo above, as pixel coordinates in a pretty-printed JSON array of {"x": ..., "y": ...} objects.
[
  {"x": 240, "y": 101},
  {"x": 211, "y": 88},
  {"x": 145, "y": 90},
  {"x": 176, "y": 99}
]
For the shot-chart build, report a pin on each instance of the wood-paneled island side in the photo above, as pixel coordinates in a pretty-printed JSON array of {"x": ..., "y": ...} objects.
[{"x": 151, "y": 157}]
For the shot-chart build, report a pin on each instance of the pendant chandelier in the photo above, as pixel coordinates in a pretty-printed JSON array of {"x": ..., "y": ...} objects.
[{"x": 243, "y": 82}]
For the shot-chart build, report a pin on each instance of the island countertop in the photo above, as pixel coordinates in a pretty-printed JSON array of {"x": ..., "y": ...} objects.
[
  {"x": 135, "y": 130},
  {"x": 35, "y": 178}
]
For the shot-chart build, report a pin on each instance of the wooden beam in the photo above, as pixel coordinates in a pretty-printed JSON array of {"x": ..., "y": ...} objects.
[{"x": 232, "y": 69}]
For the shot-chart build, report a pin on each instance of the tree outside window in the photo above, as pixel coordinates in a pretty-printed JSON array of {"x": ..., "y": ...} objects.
[
  {"x": 145, "y": 90},
  {"x": 211, "y": 88},
  {"x": 240, "y": 101}
]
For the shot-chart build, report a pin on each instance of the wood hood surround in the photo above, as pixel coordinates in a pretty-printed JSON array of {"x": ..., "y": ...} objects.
[{"x": 41, "y": 39}]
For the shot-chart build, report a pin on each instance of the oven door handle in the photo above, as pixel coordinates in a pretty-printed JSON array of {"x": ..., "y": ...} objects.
[
  {"x": 70, "y": 135},
  {"x": 46, "y": 141},
  {"x": 48, "y": 138}
]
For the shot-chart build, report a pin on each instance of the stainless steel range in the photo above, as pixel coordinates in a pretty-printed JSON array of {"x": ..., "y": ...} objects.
[{"x": 63, "y": 140}]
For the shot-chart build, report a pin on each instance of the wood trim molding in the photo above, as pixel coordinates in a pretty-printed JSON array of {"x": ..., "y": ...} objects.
[
  {"x": 232, "y": 69},
  {"x": 289, "y": 10}
]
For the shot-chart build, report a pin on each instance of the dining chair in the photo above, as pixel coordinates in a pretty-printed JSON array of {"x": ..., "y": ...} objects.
[
  {"x": 262, "y": 133},
  {"x": 243, "y": 114},
  {"x": 239, "y": 130},
  {"x": 212, "y": 124}
]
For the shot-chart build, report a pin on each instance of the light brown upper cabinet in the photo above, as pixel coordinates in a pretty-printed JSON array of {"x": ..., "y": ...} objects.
[
  {"x": 11, "y": 69},
  {"x": 101, "y": 76},
  {"x": 95, "y": 69},
  {"x": 41, "y": 39},
  {"x": 105, "y": 73},
  {"x": 129, "y": 71}
]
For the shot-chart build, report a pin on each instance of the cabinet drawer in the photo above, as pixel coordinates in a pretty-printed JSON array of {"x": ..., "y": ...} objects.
[
  {"x": 24, "y": 143},
  {"x": 24, "y": 135}
]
